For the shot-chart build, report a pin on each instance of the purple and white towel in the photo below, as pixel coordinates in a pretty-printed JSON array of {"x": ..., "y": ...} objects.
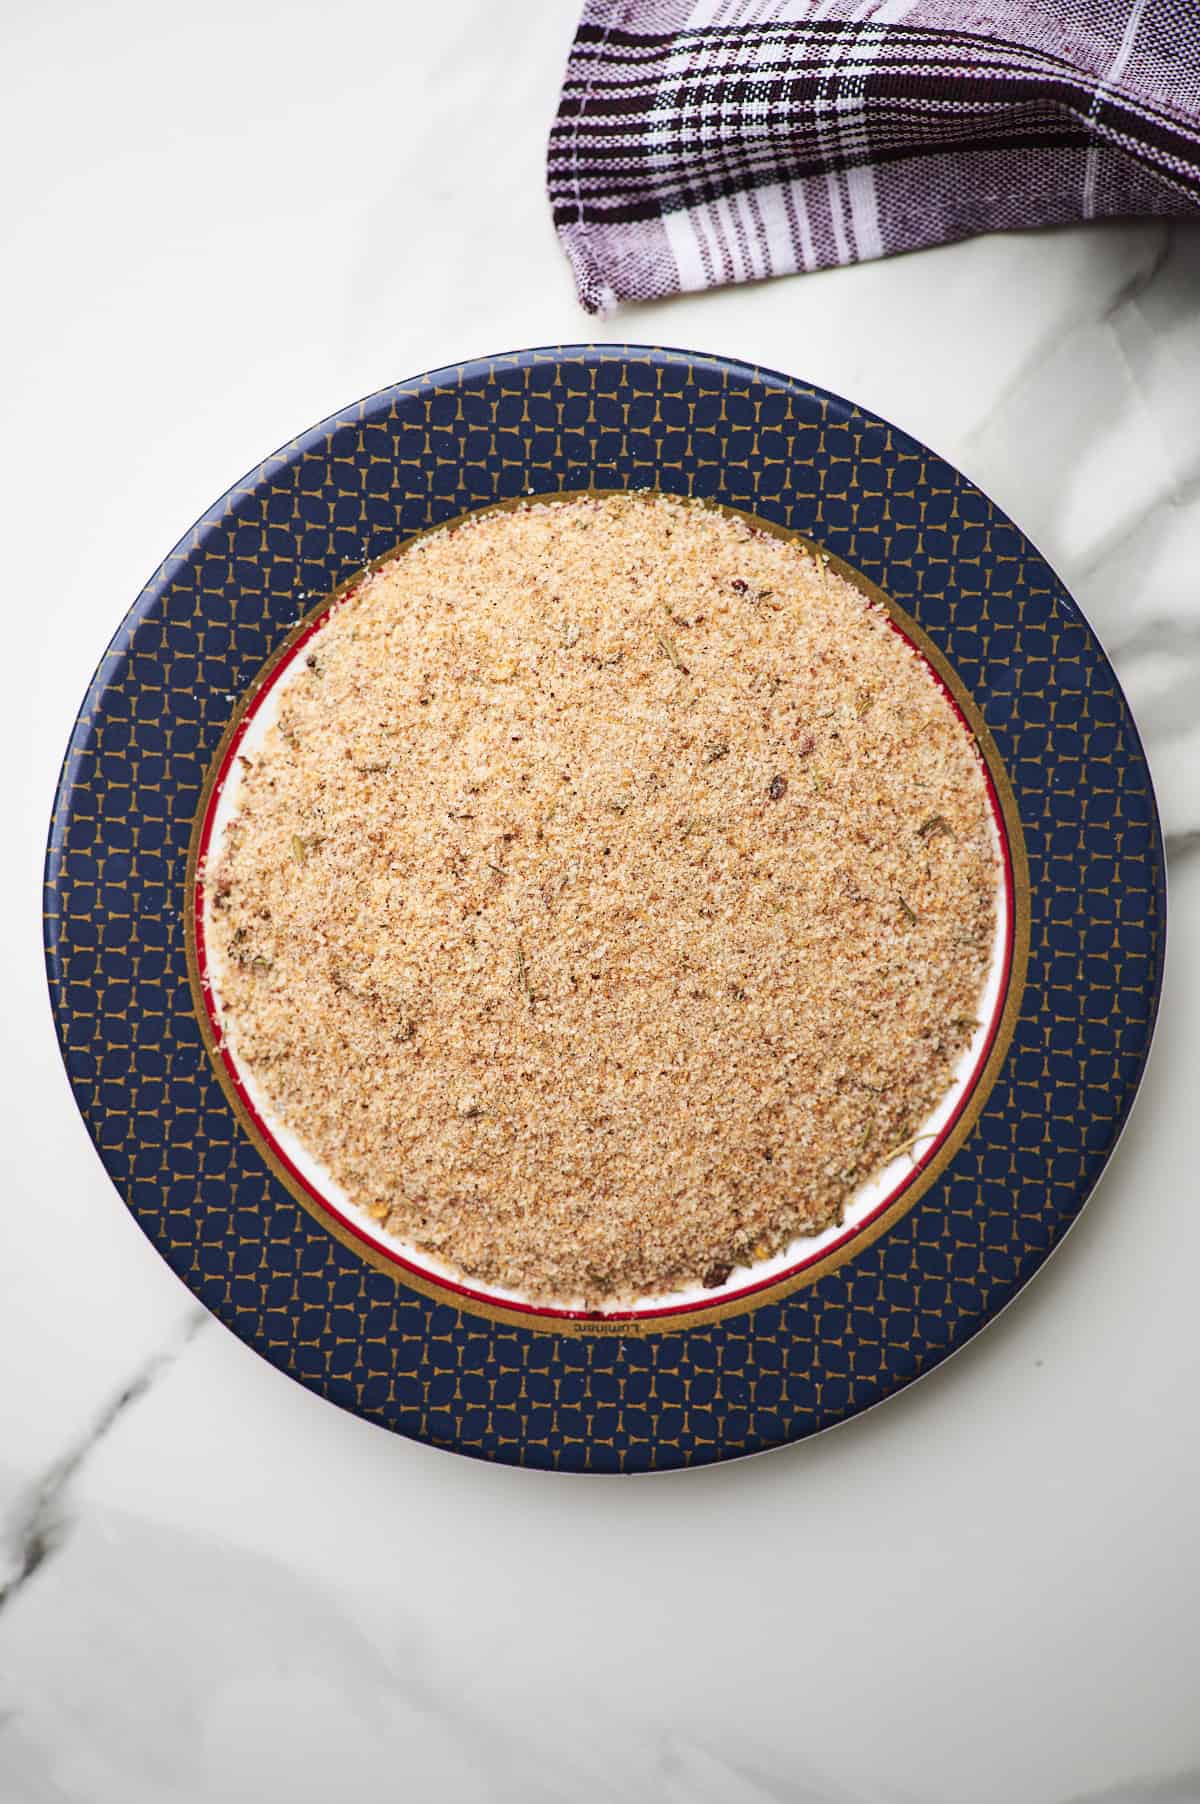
[{"x": 707, "y": 141}]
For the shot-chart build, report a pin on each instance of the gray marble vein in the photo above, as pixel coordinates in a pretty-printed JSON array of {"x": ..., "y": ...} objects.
[
  {"x": 1145, "y": 277},
  {"x": 1181, "y": 1788},
  {"x": 1184, "y": 844},
  {"x": 40, "y": 1522},
  {"x": 1183, "y": 491},
  {"x": 1150, "y": 259},
  {"x": 696, "y": 1772}
]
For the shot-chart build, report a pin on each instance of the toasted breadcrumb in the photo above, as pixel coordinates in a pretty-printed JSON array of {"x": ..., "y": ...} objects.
[{"x": 611, "y": 896}]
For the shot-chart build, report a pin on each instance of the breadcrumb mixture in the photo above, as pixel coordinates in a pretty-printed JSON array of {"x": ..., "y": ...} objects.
[{"x": 612, "y": 895}]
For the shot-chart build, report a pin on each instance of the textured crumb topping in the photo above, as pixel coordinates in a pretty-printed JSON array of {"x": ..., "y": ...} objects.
[{"x": 612, "y": 894}]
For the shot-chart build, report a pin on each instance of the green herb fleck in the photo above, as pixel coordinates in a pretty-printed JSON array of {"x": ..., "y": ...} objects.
[
  {"x": 523, "y": 974},
  {"x": 906, "y": 1146},
  {"x": 670, "y": 651}
]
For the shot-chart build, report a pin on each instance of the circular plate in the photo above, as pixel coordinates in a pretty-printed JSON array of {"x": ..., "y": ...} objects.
[{"x": 910, "y": 1278}]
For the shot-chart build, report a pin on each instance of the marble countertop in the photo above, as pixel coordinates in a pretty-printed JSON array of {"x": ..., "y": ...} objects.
[{"x": 213, "y": 1586}]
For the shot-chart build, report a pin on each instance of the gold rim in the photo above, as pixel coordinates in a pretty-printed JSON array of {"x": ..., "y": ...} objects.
[{"x": 788, "y": 1285}]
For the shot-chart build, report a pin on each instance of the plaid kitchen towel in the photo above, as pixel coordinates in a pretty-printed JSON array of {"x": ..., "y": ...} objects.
[{"x": 708, "y": 141}]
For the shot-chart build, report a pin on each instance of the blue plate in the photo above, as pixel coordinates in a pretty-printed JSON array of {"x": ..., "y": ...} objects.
[{"x": 441, "y": 1362}]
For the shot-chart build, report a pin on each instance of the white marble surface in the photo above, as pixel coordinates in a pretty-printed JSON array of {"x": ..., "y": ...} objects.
[{"x": 220, "y": 224}]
